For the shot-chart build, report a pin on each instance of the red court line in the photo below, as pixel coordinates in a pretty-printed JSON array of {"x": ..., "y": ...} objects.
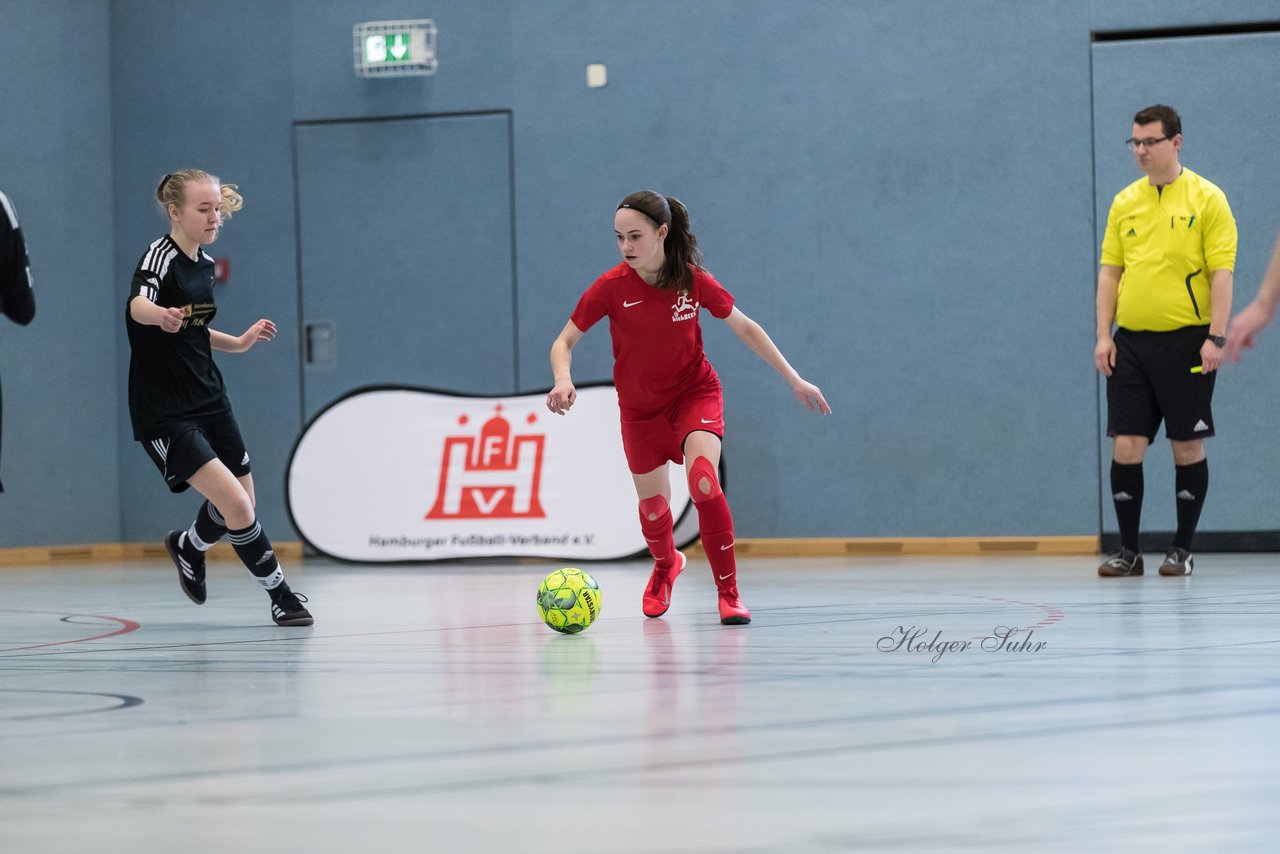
[
  {"x": 126, "y": 626},
  {"x": 1052, "y": 612}
]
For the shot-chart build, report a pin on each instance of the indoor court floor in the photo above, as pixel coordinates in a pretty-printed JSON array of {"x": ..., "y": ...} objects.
[{"x": 873, "y": 704}]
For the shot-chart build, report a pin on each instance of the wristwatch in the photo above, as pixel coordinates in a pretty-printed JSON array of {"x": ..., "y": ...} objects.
[{"x": 1218, "y": 340}]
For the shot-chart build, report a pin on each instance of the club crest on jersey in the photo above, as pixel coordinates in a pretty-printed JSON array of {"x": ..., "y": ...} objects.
[
  {"x": 685, "y": 308},
  {"x": 198, "y": 314},
  {"x": 493, "y": 475}
]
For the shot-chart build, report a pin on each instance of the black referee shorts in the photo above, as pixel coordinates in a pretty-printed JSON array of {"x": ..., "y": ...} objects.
[
  {"x": 181, "y": 453},
  {"x": 1152, "y": 382}
]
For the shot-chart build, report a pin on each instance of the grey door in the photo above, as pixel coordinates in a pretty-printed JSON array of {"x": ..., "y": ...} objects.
[
  {"x": 1224, "y": 87},
  {"x": 405, "y": 235}
]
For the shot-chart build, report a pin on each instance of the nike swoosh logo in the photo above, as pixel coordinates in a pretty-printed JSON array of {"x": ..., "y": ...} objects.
[
  {"x": 705, "y": 421},
  {"x": 626, "y": 304},
  {"x": 723, "y": 577},
  {"x": 726, "y": 548}
]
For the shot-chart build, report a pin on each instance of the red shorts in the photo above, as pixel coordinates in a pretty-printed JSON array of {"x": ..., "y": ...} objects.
[{"x": 651, "y": 439}]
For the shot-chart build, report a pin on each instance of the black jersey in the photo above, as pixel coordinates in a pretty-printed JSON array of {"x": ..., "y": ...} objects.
[
  {"x": 172, "y": 377},
  {"x": 17, "y": 300}
]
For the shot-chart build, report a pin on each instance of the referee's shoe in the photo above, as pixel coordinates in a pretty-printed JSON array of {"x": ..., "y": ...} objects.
[
  {"x": 1121, "y": 564},
  {"x": 1177, "y": 562}
]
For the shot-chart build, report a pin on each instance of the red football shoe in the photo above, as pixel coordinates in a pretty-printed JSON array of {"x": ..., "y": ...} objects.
[
  {"x": 657, "y": 596},
  {"x": 732, "y": 611}
]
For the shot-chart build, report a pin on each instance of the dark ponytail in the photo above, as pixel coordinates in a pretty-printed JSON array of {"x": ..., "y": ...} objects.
[{"x": 681, "y": 246}]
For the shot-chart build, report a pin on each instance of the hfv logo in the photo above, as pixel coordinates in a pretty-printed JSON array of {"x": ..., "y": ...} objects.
[{"x": 494, "y": 475}]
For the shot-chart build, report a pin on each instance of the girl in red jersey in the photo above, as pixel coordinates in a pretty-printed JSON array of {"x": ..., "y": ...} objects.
[{"x": 667, "y": 390}]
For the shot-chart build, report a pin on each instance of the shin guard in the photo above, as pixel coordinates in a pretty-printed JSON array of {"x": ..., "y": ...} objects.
[
  {"x": 715, "y": 522},
  {"x": 655, "y": 522}
]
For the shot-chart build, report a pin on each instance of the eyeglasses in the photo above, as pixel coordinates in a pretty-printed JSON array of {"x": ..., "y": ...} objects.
[{"x": 1134, "y": 144}]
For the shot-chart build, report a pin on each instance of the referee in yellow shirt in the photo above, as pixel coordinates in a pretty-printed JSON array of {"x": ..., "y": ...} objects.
[{"x": 1165, "y": 283}]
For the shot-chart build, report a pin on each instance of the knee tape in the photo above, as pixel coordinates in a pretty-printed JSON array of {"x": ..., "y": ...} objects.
[
  {"x": 656, "y": 507},
  {"x": 699, "y": 471}
]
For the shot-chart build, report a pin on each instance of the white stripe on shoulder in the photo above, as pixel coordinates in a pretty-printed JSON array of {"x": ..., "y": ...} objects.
[
  {"x": 8, "y": 209},
  {"x": 158, "y": 257},
  {"x": 149, "y": 257}
]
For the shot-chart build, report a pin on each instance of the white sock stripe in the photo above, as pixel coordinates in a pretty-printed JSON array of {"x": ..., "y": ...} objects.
[
  {"x": 194, "y": 539},
  {"x": 215, "y": 515},
  {"x": 245, "y": 537}
]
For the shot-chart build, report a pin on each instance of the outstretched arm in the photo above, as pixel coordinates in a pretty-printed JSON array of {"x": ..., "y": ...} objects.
[
  {"x": 263, "y": 330},
  {"x": 1248, "y": 323},
  {"x": 754, "y": 336},
  {"x": 144, "y": 311},
  {"x": 561, "y": 397}
]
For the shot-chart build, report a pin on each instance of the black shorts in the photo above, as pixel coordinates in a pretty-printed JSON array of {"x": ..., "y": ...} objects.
[
  {"x": 1152, "y": 381},
  {"x": 192, "y": 444}
]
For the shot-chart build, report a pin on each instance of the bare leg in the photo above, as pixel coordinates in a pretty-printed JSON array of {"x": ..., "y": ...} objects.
[{"x": 234, "y": 499}]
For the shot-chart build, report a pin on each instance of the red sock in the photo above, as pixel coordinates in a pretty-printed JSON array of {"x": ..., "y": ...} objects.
[
  {"x": 715, "y": 523},
  {"x": 657, "y": 532}
]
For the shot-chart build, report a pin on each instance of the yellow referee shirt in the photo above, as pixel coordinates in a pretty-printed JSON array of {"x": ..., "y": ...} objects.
[{"x": 1169, "y": 242}]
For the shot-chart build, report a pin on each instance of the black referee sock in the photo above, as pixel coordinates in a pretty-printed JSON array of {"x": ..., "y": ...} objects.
[
  {"x": 1126, "y": 492},
  {"x": 1191, "y": 483},
  {"x": 255, "y": 552},
  {"x": 207, "y": 529}
]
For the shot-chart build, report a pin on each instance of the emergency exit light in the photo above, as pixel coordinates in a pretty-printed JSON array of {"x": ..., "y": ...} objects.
[{"x": 395, "y": 48}]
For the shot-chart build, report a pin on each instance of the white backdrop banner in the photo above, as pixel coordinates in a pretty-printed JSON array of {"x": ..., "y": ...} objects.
[{"x": 402, "y": 474}]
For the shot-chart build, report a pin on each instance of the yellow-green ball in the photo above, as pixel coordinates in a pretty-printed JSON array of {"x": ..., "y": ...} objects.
[{"x": 569, "y": 600}]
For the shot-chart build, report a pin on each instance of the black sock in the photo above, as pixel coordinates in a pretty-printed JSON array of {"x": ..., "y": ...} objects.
[
  {"x": 1191, "y": 483},
  {"x": 255, "y": 552},
  {"x": 1126, "y": 492},
  {"x": 207, "y": 529}
]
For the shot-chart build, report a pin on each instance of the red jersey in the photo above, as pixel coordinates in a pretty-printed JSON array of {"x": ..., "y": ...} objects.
[{"x": 657, "y": 342}]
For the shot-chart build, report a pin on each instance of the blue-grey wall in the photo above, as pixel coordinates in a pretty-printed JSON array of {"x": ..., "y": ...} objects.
[
  {"x": 901, "y": 193},
  {"x": 61, "y": 383},
  {"x": 211, "y": 87}
]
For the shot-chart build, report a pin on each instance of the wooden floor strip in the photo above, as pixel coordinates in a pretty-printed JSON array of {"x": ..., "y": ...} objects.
[
  {"x": 836, "y": 546},
  {"x": 108, "y": 552},
  {"x": 795, "y": 547}
]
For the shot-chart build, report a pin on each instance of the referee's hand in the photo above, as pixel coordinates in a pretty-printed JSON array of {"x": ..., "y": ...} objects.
[
  {"x": 1104, "y": 354},
  {"x": 1210, "y": 356}
]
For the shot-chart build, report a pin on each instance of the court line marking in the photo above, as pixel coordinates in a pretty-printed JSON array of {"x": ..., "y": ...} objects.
[{"x": 126, "y": 626}]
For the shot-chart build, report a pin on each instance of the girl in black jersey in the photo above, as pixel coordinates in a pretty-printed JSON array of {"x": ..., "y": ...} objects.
[
  {"x": 17, "y": 299},
  {"x": 177, "y": 400}
]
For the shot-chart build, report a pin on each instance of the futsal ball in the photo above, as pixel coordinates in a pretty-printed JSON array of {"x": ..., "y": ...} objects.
[{"x": 569, "y": 600}]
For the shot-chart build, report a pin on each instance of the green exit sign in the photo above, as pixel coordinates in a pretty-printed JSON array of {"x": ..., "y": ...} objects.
[
  {"x": 395, "y": 48},
  {"x": 392, "y": 47}
]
